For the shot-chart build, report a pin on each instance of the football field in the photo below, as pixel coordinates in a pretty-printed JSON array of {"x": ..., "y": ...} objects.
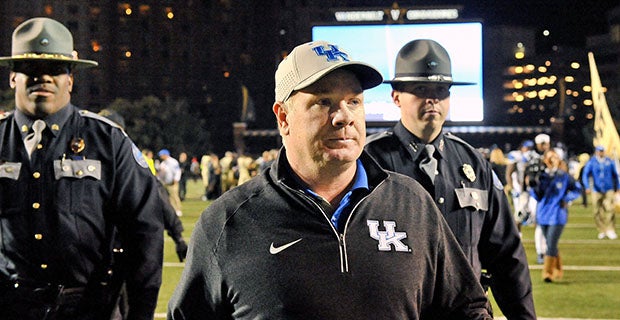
[{"x": 590, "y": 288}]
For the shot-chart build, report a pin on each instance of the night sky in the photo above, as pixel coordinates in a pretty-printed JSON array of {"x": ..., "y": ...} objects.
[{"x": 569, "y": 21}]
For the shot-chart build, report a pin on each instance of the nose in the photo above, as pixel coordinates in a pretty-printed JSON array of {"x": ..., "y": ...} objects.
[
  {"x": 343, "y": 116},
  {"x": 41, "y": 78}
]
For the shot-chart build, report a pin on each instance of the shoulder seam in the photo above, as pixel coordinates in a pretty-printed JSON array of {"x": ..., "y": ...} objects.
[{"x": 378, "y": 136}]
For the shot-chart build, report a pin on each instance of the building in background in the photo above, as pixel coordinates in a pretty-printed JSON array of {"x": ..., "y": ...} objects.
[{"x": 220, "y": 56}]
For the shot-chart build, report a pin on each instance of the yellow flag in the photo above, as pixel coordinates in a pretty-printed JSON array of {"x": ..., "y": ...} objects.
[{"x": 605, "y": 133}]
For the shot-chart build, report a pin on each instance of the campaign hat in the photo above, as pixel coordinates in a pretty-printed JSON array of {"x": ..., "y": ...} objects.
[
  {"x": 311, "y": 61},
  {"x": 424, "y": 60},
  {"x": 44, "y": 39}
]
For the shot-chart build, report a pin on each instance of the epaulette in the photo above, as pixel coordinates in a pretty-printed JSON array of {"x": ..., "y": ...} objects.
[
  {"x": 92, "y": 115},
  {"x": 451, "y": 136},
  {"x": 378, "y": 136},
  {"x": 5, "y": 115}
]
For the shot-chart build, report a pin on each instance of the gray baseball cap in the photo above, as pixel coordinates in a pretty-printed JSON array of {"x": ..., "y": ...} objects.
[{"x": 311, "y": 61}]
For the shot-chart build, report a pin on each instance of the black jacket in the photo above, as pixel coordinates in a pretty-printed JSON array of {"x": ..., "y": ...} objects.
[{"x": 266, "y": 250}]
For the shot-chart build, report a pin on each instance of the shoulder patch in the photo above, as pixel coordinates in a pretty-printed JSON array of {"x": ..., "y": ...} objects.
[
  {"x": 379, "y": 136},
  {"x": 496, "y": 182},
  {"x": 138, "y": 156}
]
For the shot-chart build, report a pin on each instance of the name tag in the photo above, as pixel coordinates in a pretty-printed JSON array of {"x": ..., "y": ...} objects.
[
  {"x": 471, "y": 197},
  {"x": 10, "y": 170},
  {"x": 77, "y": 169}
]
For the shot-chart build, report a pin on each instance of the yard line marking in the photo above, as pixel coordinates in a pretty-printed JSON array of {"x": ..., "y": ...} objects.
[
  {"x": 582, "y": 268},
  {"x": 539, "y": 318},
  {"x": 535, "y": 267},
  {"x": 174, "y": 264},
  {"x": 589, "y": 241}
]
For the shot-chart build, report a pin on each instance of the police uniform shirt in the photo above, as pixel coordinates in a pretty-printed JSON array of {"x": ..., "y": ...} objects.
[
  {"x": 58, "y": 210},
  {"x": 473, "y": 202}
]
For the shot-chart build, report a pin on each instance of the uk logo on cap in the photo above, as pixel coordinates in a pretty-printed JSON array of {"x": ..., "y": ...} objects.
[{"x": 332, "y": 54}]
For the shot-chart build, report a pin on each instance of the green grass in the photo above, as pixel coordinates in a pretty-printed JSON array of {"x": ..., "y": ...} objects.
[{"x": 590, "y": 288}]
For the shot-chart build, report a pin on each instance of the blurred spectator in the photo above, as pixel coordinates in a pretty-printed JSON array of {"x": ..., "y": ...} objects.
[
  {"x": 184, "y": 164},
  {"x": 169, "y": 173},
  {"x": 498, "y": 163},
  {"x": 148, "y": 156},
  {"x": 515, "y": 183},
  {"x": 604, "y": 187},
  {"x": 245, "y": 165},
  {"x": 230, "y": 172},
  {"x": 554, "y": 190},
  {"x": 194, "y": 168}
]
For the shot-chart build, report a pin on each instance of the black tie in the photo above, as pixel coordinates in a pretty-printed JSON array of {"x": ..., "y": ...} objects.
[{"x": 429, "y": 163}]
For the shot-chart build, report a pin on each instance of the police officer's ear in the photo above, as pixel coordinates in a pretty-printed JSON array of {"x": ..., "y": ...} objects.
[
  {"x": 70, "y": 82},
  {"x": 396, "y": 97},
  {"x": 12, "y": 79}
]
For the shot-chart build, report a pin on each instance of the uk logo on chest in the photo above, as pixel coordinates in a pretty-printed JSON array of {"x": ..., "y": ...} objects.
[{"x": 388, "y": 238}]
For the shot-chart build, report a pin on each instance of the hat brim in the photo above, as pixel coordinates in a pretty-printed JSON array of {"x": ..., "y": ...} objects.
[
  {"x": 424, "y": 80},
  {"x": 75, "y": 63},
  {"x": 368, "y": 76}
]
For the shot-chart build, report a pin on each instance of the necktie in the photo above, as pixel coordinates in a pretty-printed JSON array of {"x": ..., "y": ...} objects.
[
  {"x": 429, "y": 163},
  {"x": 33, "y": 138}
]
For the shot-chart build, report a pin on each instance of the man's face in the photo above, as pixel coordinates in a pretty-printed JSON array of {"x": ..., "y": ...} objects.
[
  {"x": 41, "y": 88},
  {"x": 325, "y": 122},
  {"x": 543, "y": 146},
  {"x": 423, "y": 106},
  {"x": 551, "y": 159}
]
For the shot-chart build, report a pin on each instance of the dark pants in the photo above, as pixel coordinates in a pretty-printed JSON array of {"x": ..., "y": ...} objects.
[{"x": 50, "y": 303}]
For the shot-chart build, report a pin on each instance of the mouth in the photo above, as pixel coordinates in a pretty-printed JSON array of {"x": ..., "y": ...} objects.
[
  {"x": 431, "y": 111},
  {"x": 39, "y": 90}
]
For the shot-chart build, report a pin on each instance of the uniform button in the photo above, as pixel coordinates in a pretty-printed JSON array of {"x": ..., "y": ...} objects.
[
  {"x": 39, "y": 146},
  {"x": 55, "y": 127},
  {"x": 43, "y": 266},
  {"x": 36, "y": 205},
  {"x": 79, "y": 172},
  {"x": 8, "y": 169},
  {"x": 36, "y": 175},
  {"x": 474, "y": 195},
  {"x": 91, "y": 168},
  {"x": 38, "y": 236},
  {"x": 441, "y": 200}
]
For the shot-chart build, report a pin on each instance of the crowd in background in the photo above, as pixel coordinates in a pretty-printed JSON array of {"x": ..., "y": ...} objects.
[{"x": 216, "y": 174}]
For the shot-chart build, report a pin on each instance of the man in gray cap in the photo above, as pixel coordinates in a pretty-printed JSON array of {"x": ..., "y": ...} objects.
[
  {"x": 325, "y": 233},
  {"x": 459, "y": 179},
  {"x": 72, "y": 186}
]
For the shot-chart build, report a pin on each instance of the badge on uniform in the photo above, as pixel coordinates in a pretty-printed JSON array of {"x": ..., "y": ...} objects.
[
  {"x": 469, "y": 172},
  {"x": 77, "y": 145}
]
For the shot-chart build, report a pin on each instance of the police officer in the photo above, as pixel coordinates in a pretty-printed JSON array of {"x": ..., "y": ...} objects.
[
  {"x": 461, "y": 181},
  {"x": 71, "y": 184}
]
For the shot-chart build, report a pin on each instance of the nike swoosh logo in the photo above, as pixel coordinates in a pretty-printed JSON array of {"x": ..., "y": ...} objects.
[{"x": 275, "y": 250}]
